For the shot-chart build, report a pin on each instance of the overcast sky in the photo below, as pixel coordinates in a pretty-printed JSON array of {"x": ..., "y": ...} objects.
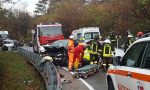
[{"x": 28, "y": 5}]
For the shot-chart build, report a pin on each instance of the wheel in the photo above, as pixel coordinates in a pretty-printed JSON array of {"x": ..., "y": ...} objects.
[
  {"x": 110, "y": 85},
  {"x": 65, "y": 59},
  {"x": 33, "y": 49}
]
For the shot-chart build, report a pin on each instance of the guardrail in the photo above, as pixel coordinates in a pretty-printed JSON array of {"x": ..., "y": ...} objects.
[{"x": 46, "y": 69}]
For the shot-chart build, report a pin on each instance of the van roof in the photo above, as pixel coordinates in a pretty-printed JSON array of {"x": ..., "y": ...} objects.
[{"x": 49, "y": 25}]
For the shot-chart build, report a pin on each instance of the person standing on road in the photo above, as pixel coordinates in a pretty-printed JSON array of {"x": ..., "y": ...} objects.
[
  {"x": 70, "y": 52},
  {"x": 112, "y": 38},
  {"x": 108, "y": 49},
  {"x": 78, "y": 53},
  {"x": 95, "y": 49}
]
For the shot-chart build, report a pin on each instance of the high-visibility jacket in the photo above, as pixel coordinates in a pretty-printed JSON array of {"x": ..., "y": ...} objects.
[
  {"x": 131, "y": 40},
  {"x": 70, "y": 53},
  {"x": 112, "y": 38},
  {"x": 107, "y": 50},
  {"x": 78, "y": 52},
  {"x": 86, "y": 54},
  {"x": 70, "y": 46},
  {"x": 95, "y": 47}
]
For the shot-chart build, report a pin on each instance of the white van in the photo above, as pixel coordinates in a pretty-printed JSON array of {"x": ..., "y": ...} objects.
[{"x": 88, "y": 33}]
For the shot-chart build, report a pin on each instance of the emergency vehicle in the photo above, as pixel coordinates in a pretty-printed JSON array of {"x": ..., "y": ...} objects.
[
  {"x": 88, "y": 33},
  {"x": 44, "y": 35},
  {"x": 132, "y": 71}
]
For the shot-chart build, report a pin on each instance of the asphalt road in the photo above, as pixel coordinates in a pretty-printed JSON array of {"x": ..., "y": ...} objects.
[{"x": 95, "y": 82}]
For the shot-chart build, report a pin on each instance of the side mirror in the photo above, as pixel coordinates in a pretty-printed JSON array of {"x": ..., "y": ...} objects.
[{"x": 116, "y": 60}]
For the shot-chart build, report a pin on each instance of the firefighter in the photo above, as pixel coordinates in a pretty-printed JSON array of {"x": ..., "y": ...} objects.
[
  {"x": 70, "y": 52},
  {"x": 86, "y": 56},
  {"x": 78, "y": 53},
  {"x": 108, "y": 51},
  {"x": 112, "y": 38},
  {"x": 95, "y": 49},
  {"x": 129, "y": 41}
]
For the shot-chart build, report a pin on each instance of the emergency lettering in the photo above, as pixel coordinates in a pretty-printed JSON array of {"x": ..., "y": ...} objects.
[{"x": 122, "y": 87}]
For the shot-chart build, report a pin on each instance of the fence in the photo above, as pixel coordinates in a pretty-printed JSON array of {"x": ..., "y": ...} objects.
[{"x": 46, "y": 69}]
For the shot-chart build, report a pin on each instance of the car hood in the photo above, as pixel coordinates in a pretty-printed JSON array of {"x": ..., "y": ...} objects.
[{"x": 58, "y": 44}]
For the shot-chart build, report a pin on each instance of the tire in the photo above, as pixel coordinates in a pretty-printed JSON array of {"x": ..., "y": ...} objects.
[
  {"x": 65, "y": 62},
  {"x": 34, "y": 50},
  {"x": 110, "y": 85}
]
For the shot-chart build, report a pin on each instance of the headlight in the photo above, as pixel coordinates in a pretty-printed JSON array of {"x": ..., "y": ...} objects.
[{"x": 42, "y": 49}]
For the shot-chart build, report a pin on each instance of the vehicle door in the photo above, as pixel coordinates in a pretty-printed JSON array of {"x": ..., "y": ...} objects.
[
  {"x": 141, "y": 76},
  {"x": 36, "y": 39},
  {"x": 129, "y": 63}
]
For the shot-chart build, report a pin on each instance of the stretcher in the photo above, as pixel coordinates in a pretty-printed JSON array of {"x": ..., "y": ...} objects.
[{"x": 86, "y": 71}]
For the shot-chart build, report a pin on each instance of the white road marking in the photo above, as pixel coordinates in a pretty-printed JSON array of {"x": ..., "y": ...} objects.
[
  {"x": 83, "y": 81},
  {"x": 86, "y": 84}
]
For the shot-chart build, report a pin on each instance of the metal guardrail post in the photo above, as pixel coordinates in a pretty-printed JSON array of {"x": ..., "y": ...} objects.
[{"x": 48, "y": 70}]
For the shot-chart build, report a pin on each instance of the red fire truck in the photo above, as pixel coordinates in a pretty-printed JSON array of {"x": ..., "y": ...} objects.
[{"x": 44, "y": 35}]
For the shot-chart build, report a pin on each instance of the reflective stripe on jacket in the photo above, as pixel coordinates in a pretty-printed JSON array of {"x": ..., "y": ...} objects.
[
  {"x": 107, "y": 52},
  {"x": 94, "y": 48},
  {"x": 131, "y": 41}
]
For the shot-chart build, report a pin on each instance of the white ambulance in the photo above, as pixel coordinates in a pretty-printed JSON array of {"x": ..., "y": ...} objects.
[
  {"x": 88, "y": 33},
  {"x": 132, "y": 71}
]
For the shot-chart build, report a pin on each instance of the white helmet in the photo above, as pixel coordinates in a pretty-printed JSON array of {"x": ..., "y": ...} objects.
[
  {"x": 130, "y": 35},
  {"x": 107, "y": 41},
  {"x": 71, "y": 37}
]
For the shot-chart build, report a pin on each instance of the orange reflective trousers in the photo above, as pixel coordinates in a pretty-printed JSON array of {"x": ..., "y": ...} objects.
[{"x": 70, "y": 54}]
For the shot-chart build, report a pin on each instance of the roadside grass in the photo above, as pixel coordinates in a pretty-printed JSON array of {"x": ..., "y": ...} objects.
[{"x": 17, "y": 74}]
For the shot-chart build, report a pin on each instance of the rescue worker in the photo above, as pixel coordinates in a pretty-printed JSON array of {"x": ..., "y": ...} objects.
[
  {"x": 95, "y": 49},
  {"x": 129, "y": 41},
  {"x": 78, "y": 53},
  {"x": 108, "y": 51},
  {"x": 86, "y": 56},
  {"x": 70, "y": 52},
  {"x": 128, "y": 32},
  {"x": 112, "y": 38}
]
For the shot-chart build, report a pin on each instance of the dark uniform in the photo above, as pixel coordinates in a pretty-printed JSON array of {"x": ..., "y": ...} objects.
[
  {"x": 113, "y": 39},
  {"x": 108, "y": 49},
  {"x": 95, "y": 49},
  {"x": 130, "y": 39}
]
